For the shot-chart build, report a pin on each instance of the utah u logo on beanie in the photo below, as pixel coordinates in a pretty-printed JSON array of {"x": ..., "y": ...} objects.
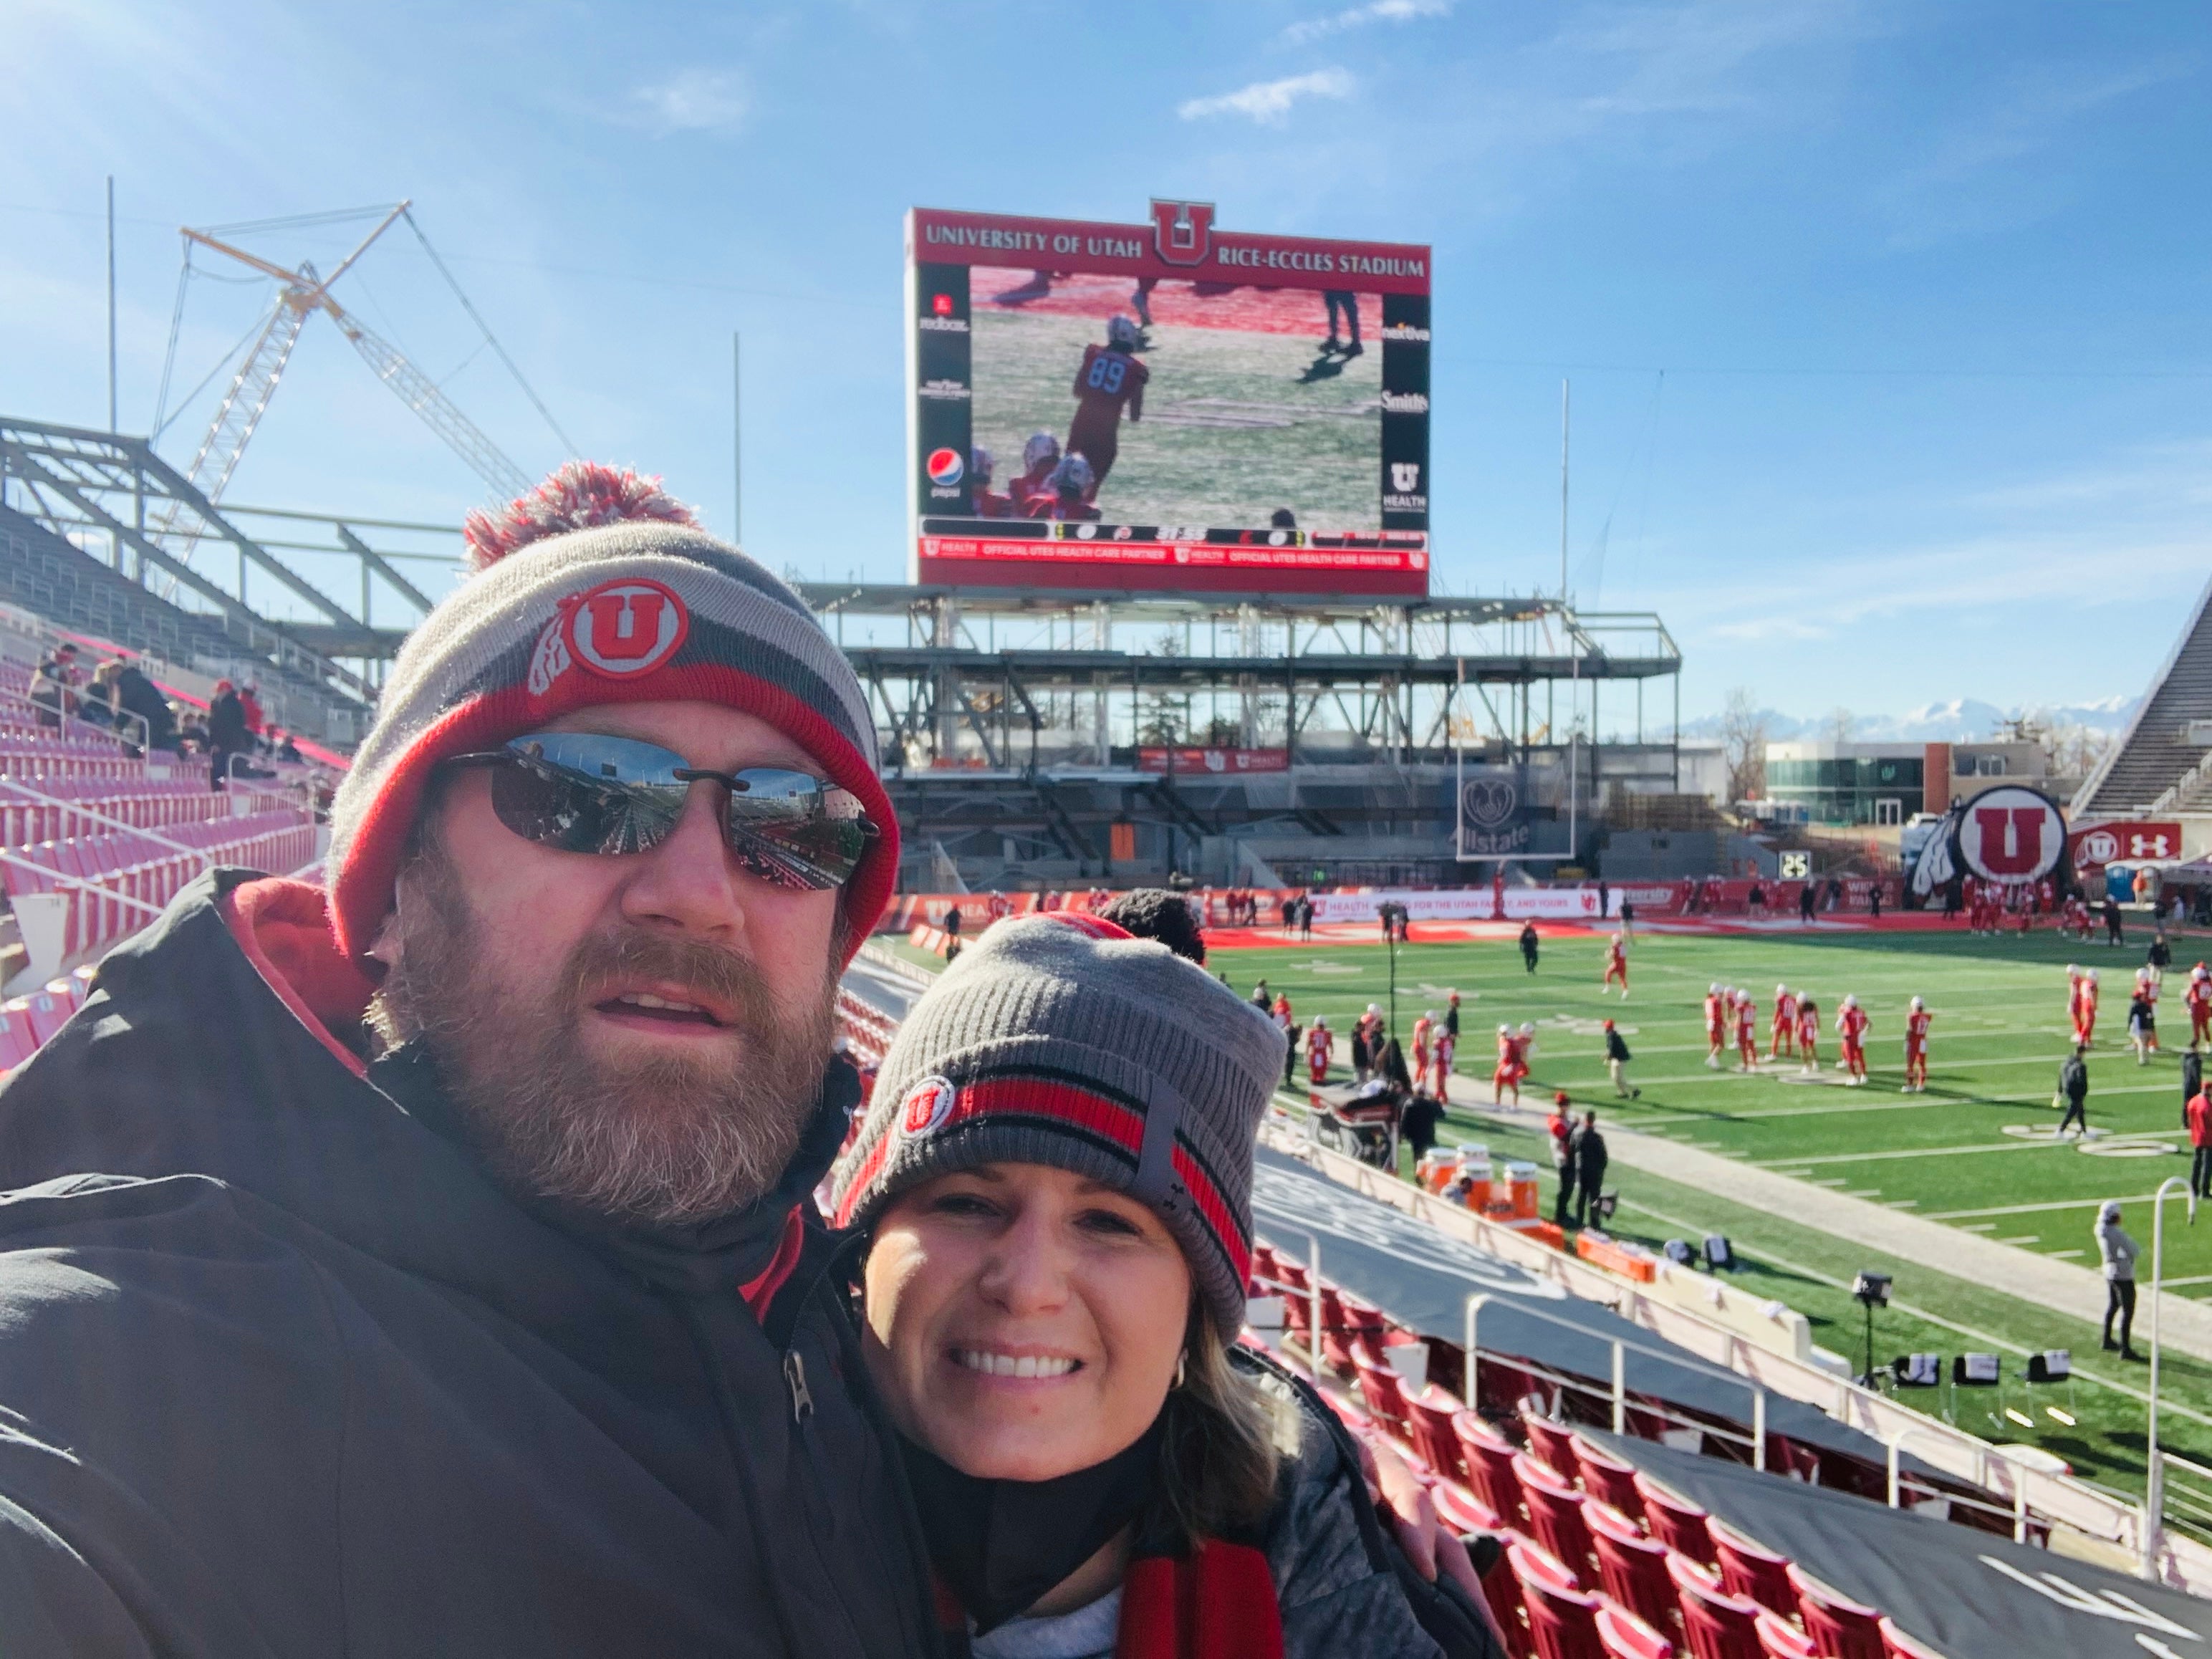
[
  {"x": 619, "y": 630},
  {"x": 927, "y": 1105}
]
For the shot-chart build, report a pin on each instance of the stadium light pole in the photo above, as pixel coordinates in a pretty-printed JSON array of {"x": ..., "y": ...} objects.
[{"x": 2154, "y": 1521}]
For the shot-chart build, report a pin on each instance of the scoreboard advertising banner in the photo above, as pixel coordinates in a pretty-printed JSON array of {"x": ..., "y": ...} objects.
[{"x": 1166, "y": 406}]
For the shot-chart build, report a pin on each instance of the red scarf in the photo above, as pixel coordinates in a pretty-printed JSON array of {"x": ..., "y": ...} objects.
[{"x": 1218, "y": 1603}]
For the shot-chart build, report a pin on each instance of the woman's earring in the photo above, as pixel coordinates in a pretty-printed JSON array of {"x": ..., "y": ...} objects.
[{"x": 1182, "y": 1366}]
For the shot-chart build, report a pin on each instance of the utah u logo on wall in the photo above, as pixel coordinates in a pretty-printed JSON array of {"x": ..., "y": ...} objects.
[{"x": 1182, "y": 232}]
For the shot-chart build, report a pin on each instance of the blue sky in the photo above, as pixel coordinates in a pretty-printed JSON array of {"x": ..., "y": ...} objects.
[{"x": 1887, "y": 322}]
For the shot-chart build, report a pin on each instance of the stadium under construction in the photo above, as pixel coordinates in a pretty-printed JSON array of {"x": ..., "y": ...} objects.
[{"x": 1032, "y": 738}]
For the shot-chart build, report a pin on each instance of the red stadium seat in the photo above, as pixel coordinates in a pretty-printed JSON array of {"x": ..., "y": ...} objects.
[
  {"x": 1624, "y": 1636},
  {"x": 1675, "y": 1521},
  {"x": 47, "y": 1013},
  {"x": 1896, "y": 1644},
  {"x": 1608, "y": 1477},
  {"x": 1562, "y": 1622},
  {"x": 1715, "y": 1624},
  {"x": 1460, "y": 1510},
  {"x": 1840, "y": 1628},
  {"x": 1554, "y": 1443},
  {"x": 17, "y": 1043},
  {"x": 1429, "y": 1417},
  {"x": 1385, "y": 1399},
  {"x": 1752, "y": 1570},
  {"x": 1631, "y": 1567},
  {"x": 1555, "y": 1512},
  {"x": 1536, "y": 1558},
  {"x": 1780, "y": 1639},
  {"x": 1489, "y": 1466}
]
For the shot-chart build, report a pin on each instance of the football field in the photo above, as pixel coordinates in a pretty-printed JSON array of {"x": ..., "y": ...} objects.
[{"x": 1975, "y": 1152}]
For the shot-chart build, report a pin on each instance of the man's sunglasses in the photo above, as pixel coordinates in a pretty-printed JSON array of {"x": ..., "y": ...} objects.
[{"x": 579, "y": 792}]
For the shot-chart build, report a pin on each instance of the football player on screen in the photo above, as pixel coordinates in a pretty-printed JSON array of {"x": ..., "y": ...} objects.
[
  {"x": 1072, "y": 486},
  {"x": 1110, "y": 376},
  {"x": 1032, "y": 490},
  {"x": 990, "y": 503}
]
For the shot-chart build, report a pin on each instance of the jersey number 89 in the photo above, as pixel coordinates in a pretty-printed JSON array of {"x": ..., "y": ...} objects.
[{"x": 1106, "y": 374}]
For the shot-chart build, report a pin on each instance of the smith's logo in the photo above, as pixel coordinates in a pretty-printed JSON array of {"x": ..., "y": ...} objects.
[
  {"x": 1406, "y": 402},
  {"x": 1182, "y": 232}
]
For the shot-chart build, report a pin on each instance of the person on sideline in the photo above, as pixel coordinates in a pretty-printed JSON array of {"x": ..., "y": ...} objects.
[
  {"x": 2073, "y": 1092},
  {"x": 1590, "y": 1160},
  {"x": 2199, "y": 1113},
  {"x": 2118, "y": 1254},
  {"x": 1051, "y": 1314},
  {"x": 1559, "y": 1134},
  {"x": 1616, "y": 1061}
]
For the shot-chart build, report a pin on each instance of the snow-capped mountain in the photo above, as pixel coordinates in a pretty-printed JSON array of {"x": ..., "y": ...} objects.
[{"x": 1961, "y": 719}]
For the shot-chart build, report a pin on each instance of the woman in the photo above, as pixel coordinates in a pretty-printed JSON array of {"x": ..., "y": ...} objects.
[{"x": 1053, "y": 1180}]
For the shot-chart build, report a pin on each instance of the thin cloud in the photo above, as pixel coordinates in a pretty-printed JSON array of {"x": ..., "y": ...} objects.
[
  {"x": 1359, "y": 18},
  {"x": 693, "y": 100},
  {"x": 1268, "y": 101}
]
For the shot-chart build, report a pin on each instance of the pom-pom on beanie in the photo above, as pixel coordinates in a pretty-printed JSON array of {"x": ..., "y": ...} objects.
[
  {"x": 597, "y": 588},
  {"x": 1058, "y": 1039}
]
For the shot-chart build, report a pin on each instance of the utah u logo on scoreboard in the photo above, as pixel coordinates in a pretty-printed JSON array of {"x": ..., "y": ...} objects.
[{"x": 1182, "y": 232}]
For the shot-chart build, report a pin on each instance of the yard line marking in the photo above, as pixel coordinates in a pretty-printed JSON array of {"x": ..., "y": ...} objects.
[
  {"x": 1978, "y": 1227},
  {"x": 1916, "y": 1152},
  {"x": 2024, "y": 1238},
  {"x": 1902, "y": 1203},
  {"x": 1865, "y": 1192},
  {"x": 2030, "y": 1209},
  {"x": 1831, "y": 1181},
  {"x": 2062, "y": 1255}
]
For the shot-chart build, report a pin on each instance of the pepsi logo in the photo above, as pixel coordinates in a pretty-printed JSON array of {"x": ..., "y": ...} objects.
[
  {"x": 621, "y": 630},
  {"x": 927, "y": 1105},
  {"x": 945, "y": 466}
]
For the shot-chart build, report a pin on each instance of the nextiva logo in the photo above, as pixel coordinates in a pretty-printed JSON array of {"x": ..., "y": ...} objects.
[
  {"x": 1406, "y": 402},
  {"x": 1406, "y": 334}
]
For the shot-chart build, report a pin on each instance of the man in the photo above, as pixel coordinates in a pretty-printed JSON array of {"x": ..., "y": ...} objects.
[
  {"x": 1616, "y": 966},
  {"x": 1344, "y": 303},
  {"x": 1417, "y": 1126},
  {"x": 1559, "y": 1134},
  {"x": 1108, "y": 379},
  {"x": 1808, "y": 1034},
  {"x": 2112, "y": 932},
  {"x": 141, "y": 697},
  {"x": 2199, "y": 1114},
  {"x": 1852, "y": 1023},
  {"x": 1261, "y": 1000},
  {"x": 1916, "y": 1048},
  {"x": 1506, "y": 1075},
  {"x": 2198, "y": 998},
  {"x": 2086, "y": 1028},
  {"x": 1747, "y": 1032},
  {"x": 1782, "y": 1039},
  {"x": 1428, "y": 1023},
  {"x": 1529, "y": 946},
  {"x": 1616, "y": 1061},
  {"x": 1451, "y": 1014},
  {"x": 1716, "y": 1013},
  {"x": 2118, "y": 1251},
  {"x": 1444, "y": 1050},
  {"x": 1289, "y": 1027},
  {"x": 1305, "y": 917},
  {"x": 2192, "y": 1080},
  {"x": 988, "y": 503},
  {"x": 227, "y": 732},
  {"x": 2158, "y": 957},
  {"x": 53, "y": 693},
  {"x": 492, "y": 1322},
  {"x": 1805, "y": 903},
  {"x": 1031, "y": 489},
  {"x": 2074, "y": 1092},
  {"x": 1363, "y": 1049},
  {"x": 1590, "y": 1169}
]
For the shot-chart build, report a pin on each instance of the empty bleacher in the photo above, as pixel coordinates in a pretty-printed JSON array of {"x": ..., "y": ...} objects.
[{"x": 2155, "y": 767}]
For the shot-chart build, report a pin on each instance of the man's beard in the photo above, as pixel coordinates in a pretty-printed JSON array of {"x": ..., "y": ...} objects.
[{"x": 668, "y": 1140}]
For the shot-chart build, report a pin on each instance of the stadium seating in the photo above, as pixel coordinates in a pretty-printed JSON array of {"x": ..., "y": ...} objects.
[
  {"x": 1562, "y": 1620},
  {"x": 1554, "y": 1443},
  {"x": 1715, "y": 1624},
  {"x": 1631, "y": 1567},
  {"x": 1555, "y": 1511},
  {"x": 2155, "y": 767},
  {"x": 1748, "y": 1570},
  {"x": 1676, "y": 1522},
  {"x": 1624, "y": 1636},
  {"x": 1607, "y": 1477},
  {"x": 1840, "y": 1628}
]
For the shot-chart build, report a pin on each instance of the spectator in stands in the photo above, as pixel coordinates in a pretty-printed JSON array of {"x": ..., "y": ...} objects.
[
  {"x": 288, "y": 750},
  {"x": 2118, "y": 1252},
  {"x": 249, "y": 704},
  {"x": 227, "y": 732},
  {"x": 98, "y": 703},
  {"x": 53, "y": 697},
  {"x": 456, "y": 1201},
  {"x": 1084, "y": 1511},
  {"x": 139, "y": 695},
  {"x": 1590, "y": 1160},
  {"x": 1154, "y": 913},
  {"x": 2074, "y": 1090}
]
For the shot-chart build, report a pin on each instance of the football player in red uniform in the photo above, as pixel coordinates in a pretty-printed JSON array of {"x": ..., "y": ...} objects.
[
  {"x": 1747, "y": 1032},
  {"x": 1109, "y": 379},
  {"x": 1616, "y": 966},
  {"x": 1852, "y": 1024},
  {"x": 1073, "y": 485},
  {"x": 1443, "y": 1047},
  {"x": 1716, "y": 1025},
  {"x": 1033, "y": 489},
  {"x": 1915, "y": 1050},
  {"x": 1507, "y": 1075},
  {"x": 1785, "y": 1037},
  {"x": 990, "y": 503},
  {"x": 1809, "y": 1033},
  {"x": 1426, "y": 1023},
  {"x": 2084, "y": 1027},
  {"x": 1319, "y": 1046},
  {"x": 2199, "y": 999}
]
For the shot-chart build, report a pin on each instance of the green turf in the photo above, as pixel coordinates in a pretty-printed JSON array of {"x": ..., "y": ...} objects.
[
  {"x": 2000, "y": 1032},
  {"x": 1236, "y": 423}
]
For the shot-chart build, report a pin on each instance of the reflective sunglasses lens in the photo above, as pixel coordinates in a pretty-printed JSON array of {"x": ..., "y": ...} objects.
[
  {"x": 554, "y": 804},
  {"x": 792, "y": 828}
]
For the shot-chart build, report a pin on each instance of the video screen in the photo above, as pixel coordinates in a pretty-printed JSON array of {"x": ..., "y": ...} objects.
[{"x": 1172, "y": 425}]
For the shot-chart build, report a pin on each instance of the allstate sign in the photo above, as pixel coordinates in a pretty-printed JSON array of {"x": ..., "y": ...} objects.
[{"x": 1491, "y": 813}]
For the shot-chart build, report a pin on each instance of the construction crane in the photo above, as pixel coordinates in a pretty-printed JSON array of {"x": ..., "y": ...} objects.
[{"x": 304, "y": 292}]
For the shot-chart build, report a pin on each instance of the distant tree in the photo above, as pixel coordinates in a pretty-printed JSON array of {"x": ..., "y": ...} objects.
[{"x": 1743, "y": 746}]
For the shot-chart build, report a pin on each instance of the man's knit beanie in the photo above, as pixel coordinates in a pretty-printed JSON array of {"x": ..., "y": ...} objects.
[
  {"x": 1058, "y": 1039},
  {"x": 597, "y": 588}
]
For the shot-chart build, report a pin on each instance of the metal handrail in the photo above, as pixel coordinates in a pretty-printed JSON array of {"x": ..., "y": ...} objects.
[
  {"x": 16, "y": 784},
  {"x": 61, "y": 879},
  {"x": 74, "y": 695}
]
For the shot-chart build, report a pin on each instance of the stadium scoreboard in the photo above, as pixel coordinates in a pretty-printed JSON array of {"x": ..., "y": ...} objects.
[{"x": 1167, "y": 406}]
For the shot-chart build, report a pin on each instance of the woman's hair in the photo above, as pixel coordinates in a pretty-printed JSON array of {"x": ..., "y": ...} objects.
[{"x": 1223, "y": 1442}]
